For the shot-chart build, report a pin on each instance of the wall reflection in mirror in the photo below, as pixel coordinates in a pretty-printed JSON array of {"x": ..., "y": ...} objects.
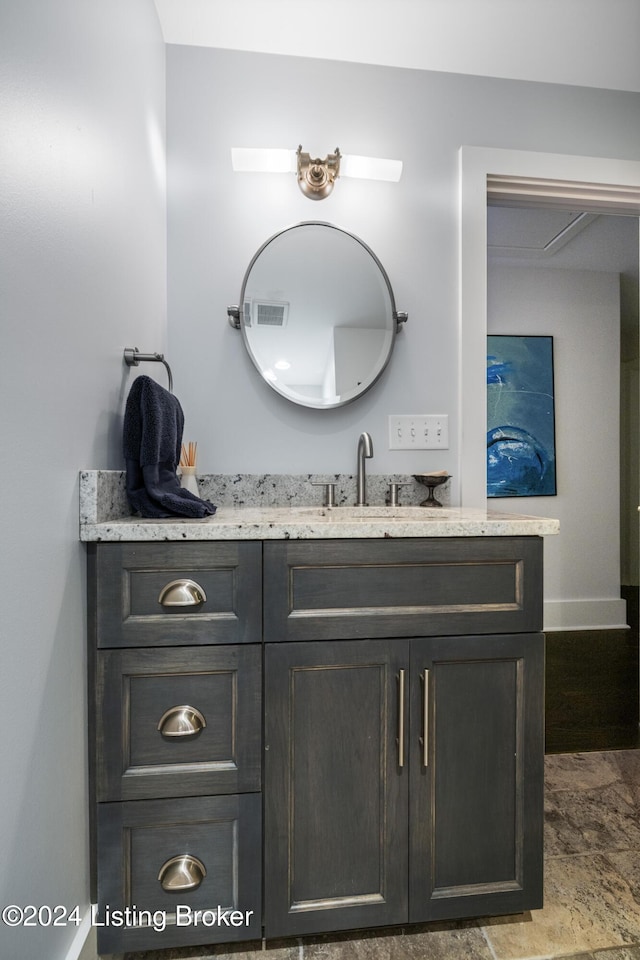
[{"x": 317, "y": 315}]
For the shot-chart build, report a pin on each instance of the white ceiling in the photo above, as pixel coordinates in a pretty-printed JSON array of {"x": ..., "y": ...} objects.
[
  {"x": 593, "y": 43},
  {"x": 532, "y": 232},
  {"x": 602, "y": 242}
]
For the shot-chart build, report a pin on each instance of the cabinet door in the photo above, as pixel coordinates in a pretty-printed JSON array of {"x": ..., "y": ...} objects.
[
  {"x": 336, "y": 794},
  {"x": 476, "y": 799}
]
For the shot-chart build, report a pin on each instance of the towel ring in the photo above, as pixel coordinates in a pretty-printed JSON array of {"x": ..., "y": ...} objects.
[{"x": 132, "y": 358}]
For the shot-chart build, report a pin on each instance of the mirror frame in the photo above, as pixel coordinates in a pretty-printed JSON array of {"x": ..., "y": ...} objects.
[{"x": 235, "y": 315}]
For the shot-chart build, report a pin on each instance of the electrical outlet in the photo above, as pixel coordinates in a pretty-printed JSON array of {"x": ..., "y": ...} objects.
[{"x": 419, "y": 432}]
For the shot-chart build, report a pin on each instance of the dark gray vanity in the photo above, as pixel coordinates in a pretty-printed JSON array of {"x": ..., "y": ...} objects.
[{"x": 312, "y": 732}]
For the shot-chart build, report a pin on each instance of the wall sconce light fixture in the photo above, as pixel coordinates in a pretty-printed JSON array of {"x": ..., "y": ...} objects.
[{"x": 316, "y": 177}]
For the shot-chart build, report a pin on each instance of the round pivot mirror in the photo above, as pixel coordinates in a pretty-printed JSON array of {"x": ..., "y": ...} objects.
[{"x": 317, "y": 315}]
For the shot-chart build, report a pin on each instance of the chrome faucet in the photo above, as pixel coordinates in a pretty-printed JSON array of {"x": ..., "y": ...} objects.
[{"x": 365, "y": 450}]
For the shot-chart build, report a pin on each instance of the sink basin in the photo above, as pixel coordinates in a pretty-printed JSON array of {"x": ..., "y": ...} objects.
[{"x": 374, "y": 512}]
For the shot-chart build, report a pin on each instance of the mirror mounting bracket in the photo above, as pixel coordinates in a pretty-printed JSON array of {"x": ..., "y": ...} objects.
[{"x": 400, "y": 317}]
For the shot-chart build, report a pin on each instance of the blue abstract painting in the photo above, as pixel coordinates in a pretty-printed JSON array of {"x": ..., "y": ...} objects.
[{"x": 521, "y": 446}]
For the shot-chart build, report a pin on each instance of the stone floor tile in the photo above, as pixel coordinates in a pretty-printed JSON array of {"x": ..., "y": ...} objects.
[
  {"x": 437, "y": 942},
  {"x": 627, "y": 863},
  {"x": 580, "y": 771},
  {"x": 588, "y": 907},
  {"x": 280, "y": 950},
  {"x": 616, "y": 953},
  {"x": 576, "y": 822},
  {"x": 628, "y": 763}
]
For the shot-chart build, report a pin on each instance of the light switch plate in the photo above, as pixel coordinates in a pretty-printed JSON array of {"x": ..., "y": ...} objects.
[{"x": 419, "y": 432}]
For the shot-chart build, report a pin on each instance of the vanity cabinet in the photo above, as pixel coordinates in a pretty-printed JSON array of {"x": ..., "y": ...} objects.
[
  {"x": 375, "y": 704},
  {"x": 403, "y": 774},
  {"x": 176, "y": 691}
]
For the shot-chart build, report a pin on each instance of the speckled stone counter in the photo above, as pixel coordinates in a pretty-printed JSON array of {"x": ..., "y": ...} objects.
[{"x": 271, "y": 507}]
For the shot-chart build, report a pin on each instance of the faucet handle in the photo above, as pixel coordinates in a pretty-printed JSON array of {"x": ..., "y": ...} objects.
[
  {"x": 329, "y": 492},
  {"x": 394, "y": 485}
]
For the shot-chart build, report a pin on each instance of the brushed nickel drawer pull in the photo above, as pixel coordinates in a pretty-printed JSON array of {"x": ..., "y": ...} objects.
[
  {"x": 401, "y": 675},
  {"x": 182, "y": 721},
  {"x": 182, "y": 873},
  {"x": 182, "y": 593},
  {"x": 424, "y": 739}
]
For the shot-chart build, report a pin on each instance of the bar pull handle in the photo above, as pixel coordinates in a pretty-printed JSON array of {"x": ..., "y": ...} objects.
[
  {"x": 424, "y": 739},
  {"x": 401, "y": 678}
]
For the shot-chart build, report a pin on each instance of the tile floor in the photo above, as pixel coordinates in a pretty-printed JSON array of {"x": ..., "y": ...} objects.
[{"x": 592, "y": 886}]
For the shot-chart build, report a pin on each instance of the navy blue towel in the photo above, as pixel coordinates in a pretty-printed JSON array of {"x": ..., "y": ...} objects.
[{"x": 151, "y": 441}]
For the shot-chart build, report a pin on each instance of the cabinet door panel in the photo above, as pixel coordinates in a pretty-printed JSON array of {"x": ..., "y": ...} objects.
[
  {"x": 130, "y": 589},
  {"x": 136, "y": 688},
  {"x": 137, "y": 842},
  {"x": 336, "y": 830},
  {"x": 337, "y": 590},
  {"x": 476, "y": 832}
]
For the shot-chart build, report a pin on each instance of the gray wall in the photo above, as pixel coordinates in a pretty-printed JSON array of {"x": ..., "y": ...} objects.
[
  {"x": 583, "y": 563},
  {"x": 580, "y": 309},
  {"x": 217, "y": 220},
  {"x": 82, "y": 248}
]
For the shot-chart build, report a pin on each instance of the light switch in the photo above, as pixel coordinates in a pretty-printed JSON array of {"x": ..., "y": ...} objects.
[{"x": 419, "y": 431}]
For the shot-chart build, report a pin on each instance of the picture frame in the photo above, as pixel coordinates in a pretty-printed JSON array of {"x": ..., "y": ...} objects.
[{"x": 521, "y": 437}]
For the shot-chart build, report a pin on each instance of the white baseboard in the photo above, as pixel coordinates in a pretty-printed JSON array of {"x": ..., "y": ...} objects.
[
  {"x": 585, "y": 615},
  {"x": 80, "y": 948},
  {"x": 84, "y": 945}
]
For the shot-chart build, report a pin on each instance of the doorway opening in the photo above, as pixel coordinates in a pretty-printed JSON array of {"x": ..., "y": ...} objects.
[
  {"x": 595, "y": 185},
  {"x": 573, "y": 277},
  {"x": 599, "y": 185}
]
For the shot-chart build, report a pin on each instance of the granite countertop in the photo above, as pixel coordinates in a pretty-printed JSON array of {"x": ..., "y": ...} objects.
[{"x": 246, "y": 511}]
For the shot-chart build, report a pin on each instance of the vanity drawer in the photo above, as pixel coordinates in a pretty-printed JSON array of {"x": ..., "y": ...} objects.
[
  {"x": 179, "y": 722},
  {"x": 166, "y": 594},
  {"x": 347, "y": 589},
  {"x": 218, "y": 840}
]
